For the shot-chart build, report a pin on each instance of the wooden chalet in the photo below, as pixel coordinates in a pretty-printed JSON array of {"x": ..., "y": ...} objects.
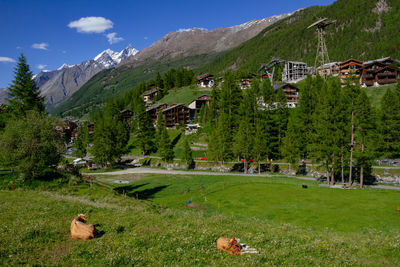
[
  {"x": 127, "y": 114},
  {"x": 176, "y": 114},
  {"x": 329, "y": 69},
  {"x": 149, "y": 97},
  {"x": 350, "y": 67},
  {"x": 196, "y": 104},
  {"x": 291, "y": 91},
  {"x": 385, "y": 60},
  {"x": 152, "y": 111},
  {"x": 91, "y": 127},
  {"x": 377, "y": 73},
  {"x": 206, "y": 80},
  {"x": 245, "y": 84}
]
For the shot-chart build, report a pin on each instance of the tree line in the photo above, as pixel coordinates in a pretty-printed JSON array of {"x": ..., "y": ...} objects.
[{"x": 334, "y": 125}]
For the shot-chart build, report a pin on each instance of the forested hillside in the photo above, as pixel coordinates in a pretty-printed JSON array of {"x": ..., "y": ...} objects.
[
  {"x": 362, "y": 31},
  {"x": 115, "y": 82}
]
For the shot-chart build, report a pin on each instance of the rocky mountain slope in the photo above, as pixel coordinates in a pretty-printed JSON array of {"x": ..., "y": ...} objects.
[
  {"x": 58, "y": 85},
  {"x": 195, "y": 41},
  {"x": 184, "y": 48}
]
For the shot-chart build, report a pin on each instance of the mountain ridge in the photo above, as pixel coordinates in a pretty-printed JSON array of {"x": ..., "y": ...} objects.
[{"x": 58, "y": 85}]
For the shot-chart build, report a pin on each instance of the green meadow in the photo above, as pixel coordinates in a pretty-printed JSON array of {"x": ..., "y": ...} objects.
[{"x": 147, "y": 222}]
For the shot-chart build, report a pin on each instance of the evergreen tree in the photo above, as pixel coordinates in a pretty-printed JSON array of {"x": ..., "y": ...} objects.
[
  {"x": 281, "y": 115},
  {"x": 80, "y": 143},
  {"x": 111, "y": 135},
  {"x": 305, "y": 110},
  {"x": 159, "y": 81},
  {"x": 164, "y": 143},
  {"x": 352, "y": 90},
  {"x": 390, "y": 128},
  {"x": 291, "y": 146},
  {"x": 187, "y": 153},
  {"x": 23, "y": 93},
  {"x": 365, "y": 125},
  {"x": 143, "y": 128}
]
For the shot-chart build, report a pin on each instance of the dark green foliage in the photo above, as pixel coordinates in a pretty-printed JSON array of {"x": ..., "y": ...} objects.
[
  {"x": 390, "y": 120},
  {"x": 23, "y": 93},
  {"x": 187, "y": 152},
  {"x": 164, "y": 144},
  {"x": 110, "y": 83},
  {"x": 80, "y": 142},
  {"x": 291, "y": 146},
  {"x": 349, "y": 37},
  {"x": 143, "y": 128},
  {"x": 111, "y": 135},
  {"x": 31, "y": 145}
]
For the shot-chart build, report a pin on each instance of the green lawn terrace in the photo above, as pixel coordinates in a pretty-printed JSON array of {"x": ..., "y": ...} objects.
[{"x": 148, "y": 222}]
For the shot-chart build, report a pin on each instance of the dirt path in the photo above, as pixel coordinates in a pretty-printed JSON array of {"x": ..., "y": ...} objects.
[{"x": 162, "y": 171}]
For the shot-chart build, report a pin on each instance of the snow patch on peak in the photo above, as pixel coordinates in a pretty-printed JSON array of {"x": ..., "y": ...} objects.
[
  {"x": 63, "y": 66},
  {"x": 106, "y": 52},
  {"x": 109, "y": 58},
  {"x": 192, "y": 29}
]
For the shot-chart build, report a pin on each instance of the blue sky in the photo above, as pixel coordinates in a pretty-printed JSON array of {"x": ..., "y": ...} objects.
[{"x": 53, "y": 32}]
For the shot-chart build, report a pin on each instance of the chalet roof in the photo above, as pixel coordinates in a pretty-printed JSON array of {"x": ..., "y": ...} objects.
[
  {"x": 203, "y": 76},
  {"x": 204, "y": 97},
  {"x": 126, "y": 111},
  {"x": 328, "y": 65},
  {"x": 151, "y": 92},
  {"x": 388, "y": 67},
  {"x": 173, "y": 106},
  {"x": 279, "y": 86},
  {"x": 351, "y": 60},
  {"x": 381, "y": 60},
  {"x": 154, "y": 107}
]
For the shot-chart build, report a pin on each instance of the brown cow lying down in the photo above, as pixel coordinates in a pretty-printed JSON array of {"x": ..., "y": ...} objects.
[
  {"x": 81, "y": 230},
  {"x": 233, "y": 246}
]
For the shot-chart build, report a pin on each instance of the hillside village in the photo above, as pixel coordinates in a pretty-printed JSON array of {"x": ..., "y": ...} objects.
[
  {"x": 375, "y": 73},
  {"x": 247, "y": 145}
]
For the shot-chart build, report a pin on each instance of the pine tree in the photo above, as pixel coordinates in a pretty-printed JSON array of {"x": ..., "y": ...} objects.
[
  {"x": 390, "y": 129},
  {"x": 291, "y": 147},
  {"x": 143, "y": 128},
  {"x": 187, "y": 153},
  {"x": 111, "y": 135},
  {"x": 80, "y": 143},
  {"x": 281, "y": 115},
  {"x": 365, "y": 125},
  {"x": 23, "y": 93},
  {"x": 163, "y": 141},
  {"x": 305, "y": 110}
]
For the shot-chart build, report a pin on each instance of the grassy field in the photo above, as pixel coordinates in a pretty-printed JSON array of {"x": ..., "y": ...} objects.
[
  {"x": 376, "y": 93},
  {"x": 183, "y": 95},
  {"x": 158, "y": 230}
]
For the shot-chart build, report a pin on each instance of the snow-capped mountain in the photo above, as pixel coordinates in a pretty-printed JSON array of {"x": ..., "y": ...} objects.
[{"x": 58, "y": 85}]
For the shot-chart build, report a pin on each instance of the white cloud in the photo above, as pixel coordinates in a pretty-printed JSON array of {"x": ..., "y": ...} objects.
[
  {"x": 112, "y": 39},
  {"x": 6, "y": 59},
  {"x": 41, "y": 66},
  {"x": 91, "y": 24},
  {"x": 42, "y": 46}
]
